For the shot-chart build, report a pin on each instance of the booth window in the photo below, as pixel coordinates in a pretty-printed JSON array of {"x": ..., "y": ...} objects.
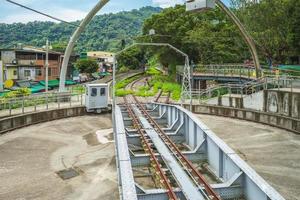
[
  {"x": 94, "y": 92},
  {"x": 102, "y": 92}
]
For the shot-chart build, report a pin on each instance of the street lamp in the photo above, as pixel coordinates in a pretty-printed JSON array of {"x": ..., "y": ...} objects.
[
  {"x": 47, "y": 47},
  {"x": 201, "y": 5}
]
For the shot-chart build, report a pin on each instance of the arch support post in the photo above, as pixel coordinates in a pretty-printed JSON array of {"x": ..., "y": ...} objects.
[
  {"x": 248, "y": 39},
  {"x": 73, "y": 40}
]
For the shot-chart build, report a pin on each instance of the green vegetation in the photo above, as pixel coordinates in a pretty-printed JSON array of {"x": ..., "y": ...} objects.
[
  {"x": 123, "y": 69},
  {"x": 87, "y": 66},
  {"x": 159, "y": 82},
  {"x": 145, "y": 91},
  {"x": 120, "y": 86},
  {"x": 122, "y": 92},
  {"x": 105, "y": 32},
  {"x": 78, "y": 89},
  {"x": 132, "y": 58},
  {"x": 211, "y": 37},
  {"x": 20, "y": 92}
]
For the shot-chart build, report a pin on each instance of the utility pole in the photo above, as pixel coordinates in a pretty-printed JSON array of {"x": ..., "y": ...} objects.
[
  {"x": 47, "y": 65},
  {"x": 1, "y": 76}
]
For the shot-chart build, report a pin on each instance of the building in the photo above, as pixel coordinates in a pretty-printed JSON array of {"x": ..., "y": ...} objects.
[
  {"x": 105, "y": 59},
  {"x": 28, "y": 63}
]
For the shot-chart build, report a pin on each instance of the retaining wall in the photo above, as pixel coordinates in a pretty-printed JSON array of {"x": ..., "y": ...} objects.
[
  {"x": 19, "y": 121},
  {"x": 280, "y": 121}
]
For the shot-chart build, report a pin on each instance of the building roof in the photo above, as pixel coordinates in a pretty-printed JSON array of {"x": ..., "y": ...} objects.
[
  {"x": 31, "y": 49},
  {"x": 99, "y": 54}
]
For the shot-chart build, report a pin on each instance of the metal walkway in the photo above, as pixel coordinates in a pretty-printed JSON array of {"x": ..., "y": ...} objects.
[
  {"x": 147, "y": 144},
  {"x": 189, "y": 189}
]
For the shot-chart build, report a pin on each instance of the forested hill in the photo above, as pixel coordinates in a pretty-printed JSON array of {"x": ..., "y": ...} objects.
[{"x": 105, "y": 32}]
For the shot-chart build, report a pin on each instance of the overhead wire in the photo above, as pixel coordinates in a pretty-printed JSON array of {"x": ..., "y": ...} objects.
[{"x": 41, "y": 13}]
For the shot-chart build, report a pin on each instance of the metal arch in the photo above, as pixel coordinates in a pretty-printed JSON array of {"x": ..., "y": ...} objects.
[
  {"x": 73, "y": 40},
  {"x": 248, "y": 39},
  {"x": 186, "y": 92}
]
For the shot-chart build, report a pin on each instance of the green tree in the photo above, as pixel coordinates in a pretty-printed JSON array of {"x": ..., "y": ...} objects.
[
  {"x": 208, "y": 37},
  {"x": 103, "y": 33},
  {"x": 274, "y": 25},
  {"x": 131, "y": 58},
  {"x": 59, "y": 46},
  {"x": 87, "y": 66}
]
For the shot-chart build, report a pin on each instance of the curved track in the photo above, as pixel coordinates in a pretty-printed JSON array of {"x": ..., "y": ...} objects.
[{"x": 195, "y": 176}]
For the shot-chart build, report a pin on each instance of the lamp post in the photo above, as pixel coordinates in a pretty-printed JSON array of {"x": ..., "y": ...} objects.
[
  {"x": 47, "y": 47},
  {"x": 202, "y": 5}
]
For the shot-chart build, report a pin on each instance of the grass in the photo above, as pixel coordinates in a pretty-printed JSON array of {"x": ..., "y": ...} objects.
[
  {"x": 120, "y": 86},
  {"x": 145, "y": 91},
  {"x": 159, "y": 82},
  {"x": 123, "y": 92}
]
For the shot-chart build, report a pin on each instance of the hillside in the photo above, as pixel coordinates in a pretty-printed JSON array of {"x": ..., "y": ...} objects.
[{"x": 105, "y": 32}]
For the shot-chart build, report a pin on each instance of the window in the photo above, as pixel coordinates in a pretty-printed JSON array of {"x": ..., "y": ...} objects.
[
  {"x": 49, "y": 72},
  {"x": 102, "y": 92},
  {"x": 27, "y": 73},
  {"x": 94, "y": 92},
  {"x": 15, "y": 72},
  {"x": 38, "y": 72}
]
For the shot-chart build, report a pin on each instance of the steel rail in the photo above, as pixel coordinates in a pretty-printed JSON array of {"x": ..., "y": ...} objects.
[
  {"x": 186, "y": 163},
  {"x": 163, "y": 178}
]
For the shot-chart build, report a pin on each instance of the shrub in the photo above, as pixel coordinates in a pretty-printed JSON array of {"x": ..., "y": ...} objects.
[
  {"x": 151, "y": 71},
  {"x": 124, "y": 69},
  {"x": 123, "y": 92},
  {"x": 20, "y": 92}
]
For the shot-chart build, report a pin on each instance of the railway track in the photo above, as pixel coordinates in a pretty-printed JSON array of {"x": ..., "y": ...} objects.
[{"x": 148, "y": 145}]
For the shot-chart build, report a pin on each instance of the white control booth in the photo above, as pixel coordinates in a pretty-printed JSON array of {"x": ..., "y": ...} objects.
[
  {"x": 96, "y": 98},
  {"x": 198, "y": 5}
]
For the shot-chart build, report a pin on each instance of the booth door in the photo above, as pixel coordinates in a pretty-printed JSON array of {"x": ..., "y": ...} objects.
[{"x": 93, "y": 97}]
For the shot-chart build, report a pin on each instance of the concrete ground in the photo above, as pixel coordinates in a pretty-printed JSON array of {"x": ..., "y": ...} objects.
[
  {"x": 274, "y": 153},
  {"x": 30, "y": 158}
]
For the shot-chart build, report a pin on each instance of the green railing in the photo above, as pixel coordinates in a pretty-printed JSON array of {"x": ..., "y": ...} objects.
[{"x": 238, "y": 71}]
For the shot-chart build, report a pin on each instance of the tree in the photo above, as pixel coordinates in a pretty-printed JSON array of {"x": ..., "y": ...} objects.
[
  {"x": 274, "y": 26},
  {"x": 87, "y": 66},
  {"x": 59, "y": 46},
  {"x": 208, "y": 37},
  {"x": 103, "y": 33},
  {"x": 131, "y": 58}
]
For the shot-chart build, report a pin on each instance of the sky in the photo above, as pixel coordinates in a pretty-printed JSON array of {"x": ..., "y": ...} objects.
[{"x": 70, "y": 10}]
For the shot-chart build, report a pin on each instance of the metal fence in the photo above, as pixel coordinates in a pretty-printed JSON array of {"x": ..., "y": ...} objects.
[
  {"x": 280, "y": 83},
  {"x": 40, "y": 102},
  {"x": 238, "y": 70}
]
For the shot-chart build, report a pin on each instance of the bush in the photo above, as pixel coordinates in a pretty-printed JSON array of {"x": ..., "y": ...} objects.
[
  {"x": 20, "y": 92},
  {"x": 123, "y": 92},
  {"x": 125, "y": 82},
  {"x": 87, "y": 66},
  {"x": 153, "y": 71},
  {"x": 124, "y": 69},
  {"x": 144, "y": 91}
]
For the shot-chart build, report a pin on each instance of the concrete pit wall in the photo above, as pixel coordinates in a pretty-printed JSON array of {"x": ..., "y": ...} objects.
[
  {"x": 273, "y": 119},
  {"x": 281, "y": 102},
  {"x": 19, "y": 121}
]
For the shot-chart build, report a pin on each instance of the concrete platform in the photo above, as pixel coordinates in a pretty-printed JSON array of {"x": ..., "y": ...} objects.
[
  {"x": 272, "y": 152},
  {"x": 30, "y": 158}
]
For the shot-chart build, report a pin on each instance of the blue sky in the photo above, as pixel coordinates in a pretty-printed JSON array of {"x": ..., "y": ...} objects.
[{"x": 70, "y": 10}]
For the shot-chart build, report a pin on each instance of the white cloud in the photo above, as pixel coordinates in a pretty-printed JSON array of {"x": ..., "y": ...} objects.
[
  {"x": 167, "y": 3},
  {"x": 64, "y": 14}
]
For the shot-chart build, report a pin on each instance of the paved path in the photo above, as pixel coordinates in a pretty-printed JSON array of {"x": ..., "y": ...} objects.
[
  {"x": 274, "y": 153},
  {"x": 31, "y": 156}
]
